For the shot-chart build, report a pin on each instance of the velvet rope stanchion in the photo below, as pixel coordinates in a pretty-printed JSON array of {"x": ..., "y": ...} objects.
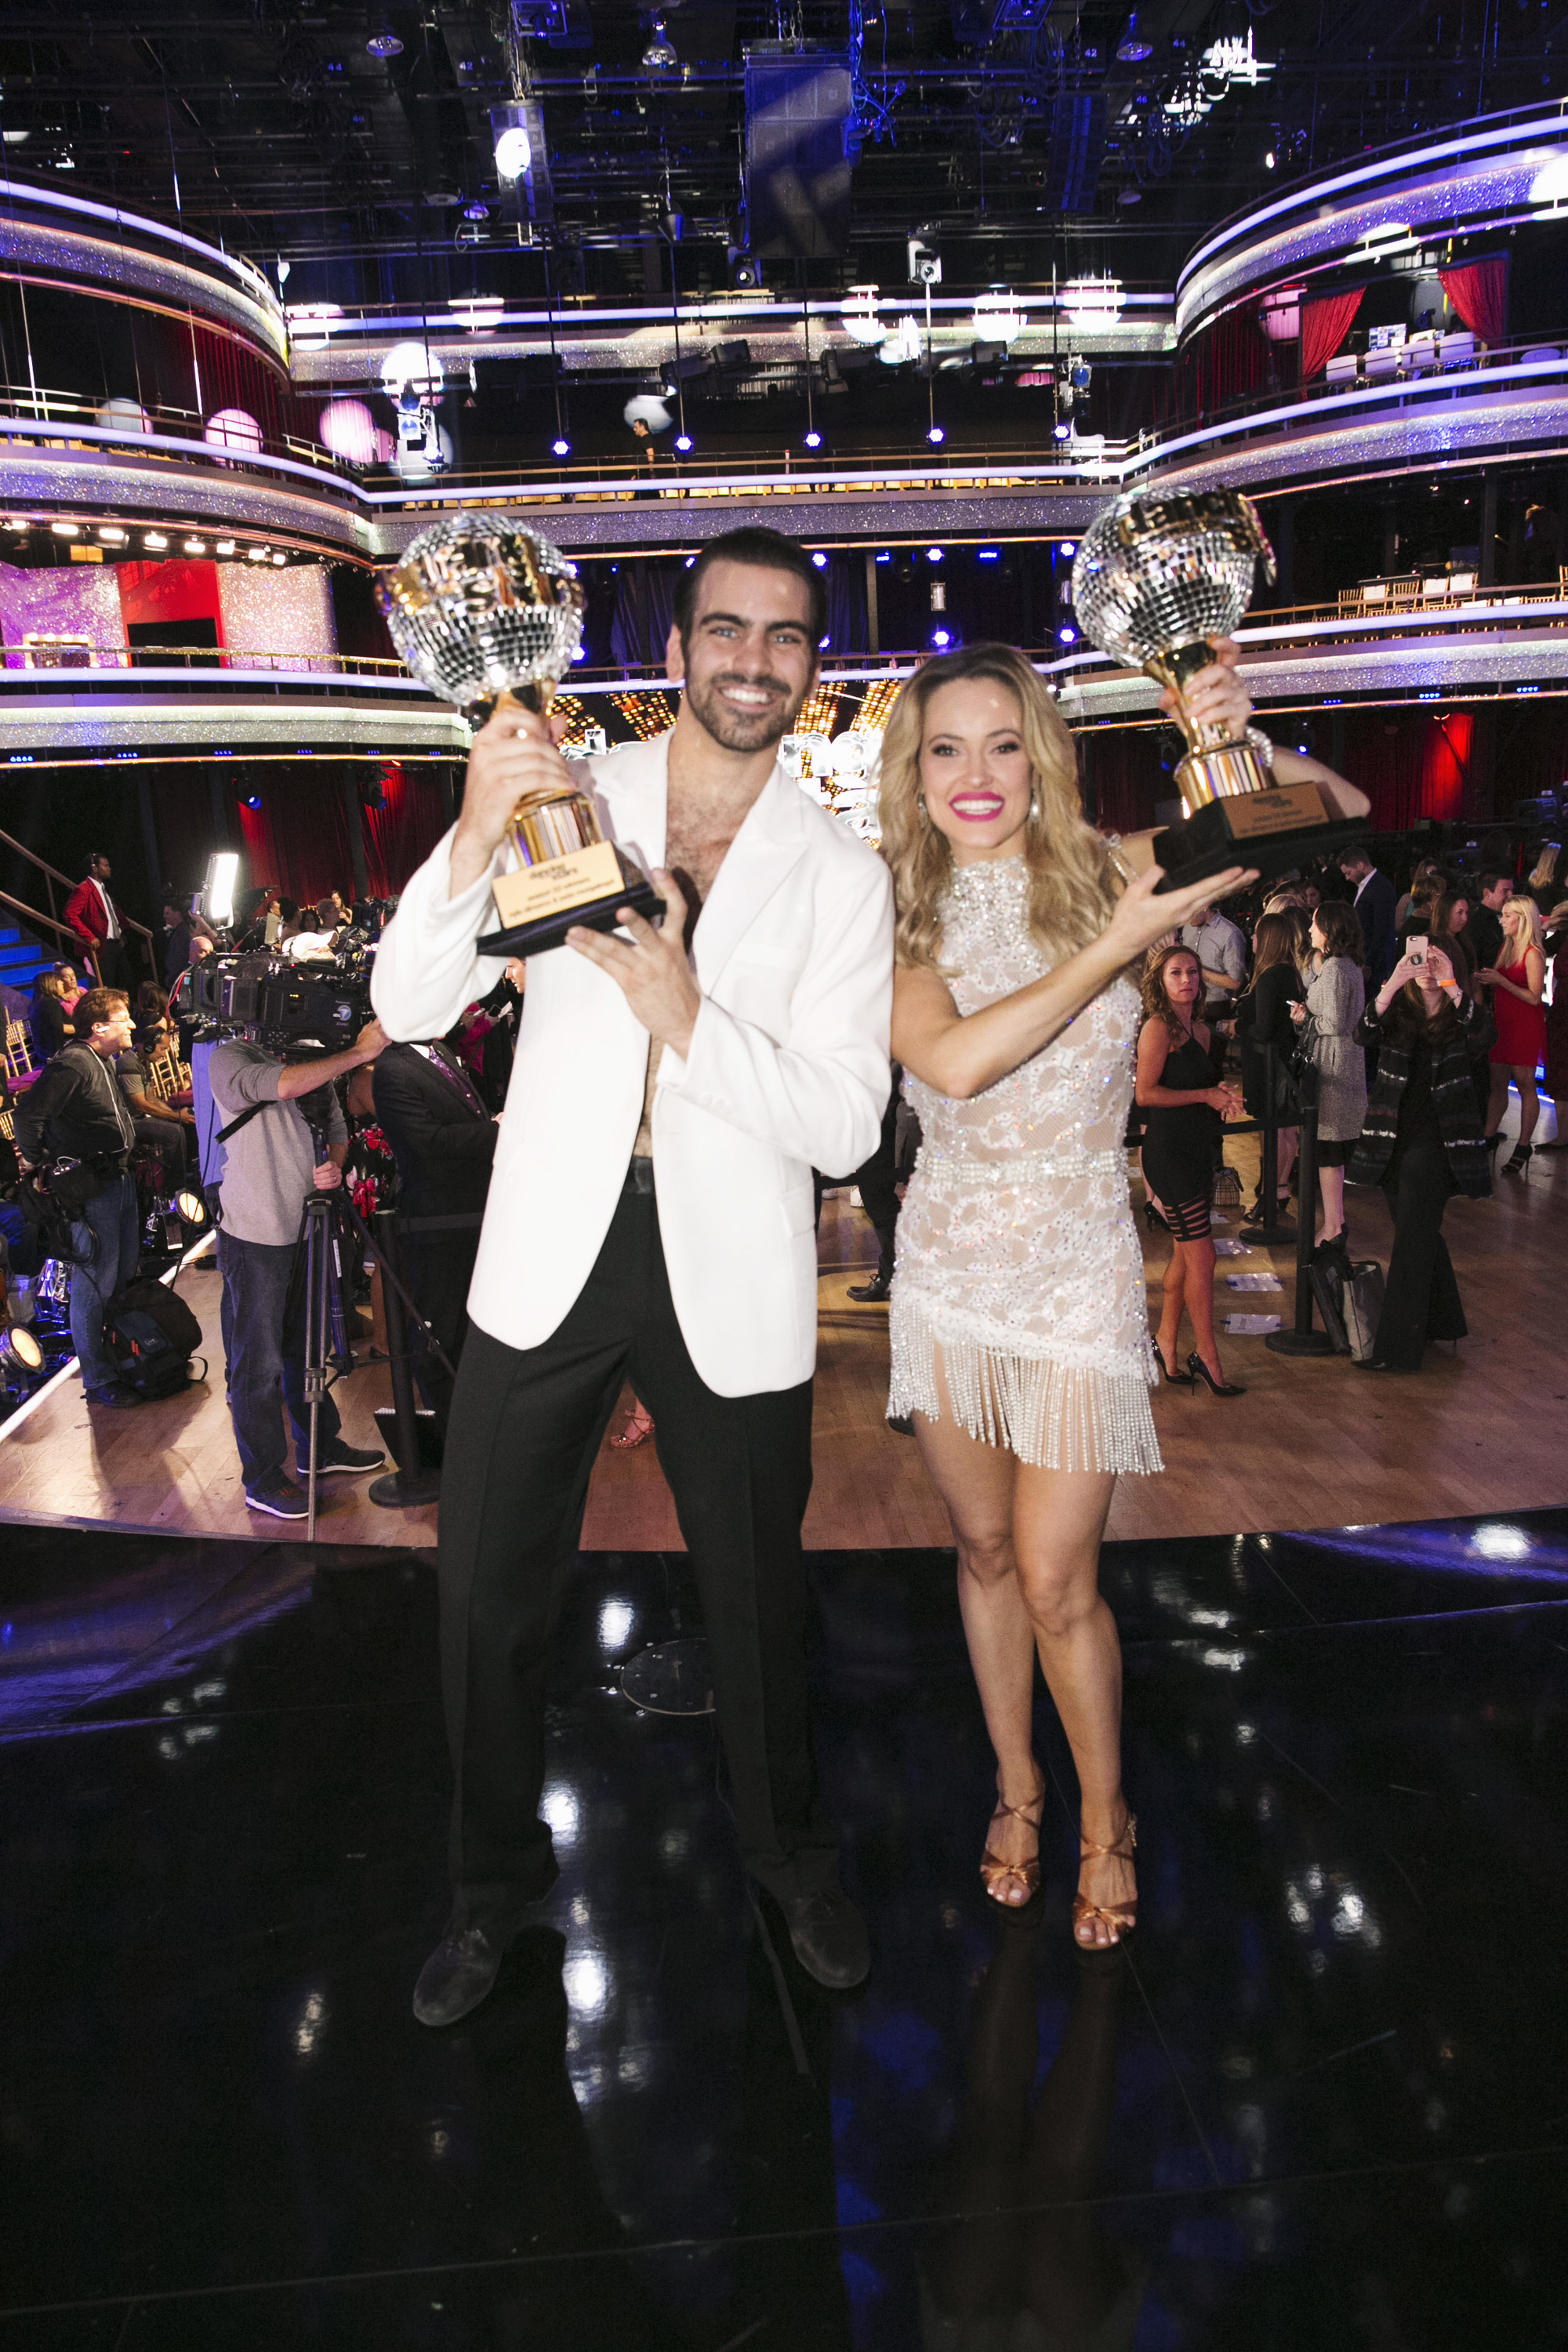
[{"x": 1303, "y": 1340}]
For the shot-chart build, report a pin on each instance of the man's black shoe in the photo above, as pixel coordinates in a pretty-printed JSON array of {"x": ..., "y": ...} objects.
[
  {"x": 872, "y": 1293},
  {"x": 337, "y": 1456},
  {"x": 829, "y": 1937},
  {"x": 115, "y": 1395},
  {"x": 279, "y": 1497},
  {"x": 457, "y": 1977}
]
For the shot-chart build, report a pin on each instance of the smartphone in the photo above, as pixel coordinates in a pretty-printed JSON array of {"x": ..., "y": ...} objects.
[{"x": 1415, "y": 946}]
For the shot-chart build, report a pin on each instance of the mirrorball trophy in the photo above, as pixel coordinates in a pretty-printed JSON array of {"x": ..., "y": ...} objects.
[
  {"x": 1158, "y": 577},
  {"x": 486, "y": 613}
]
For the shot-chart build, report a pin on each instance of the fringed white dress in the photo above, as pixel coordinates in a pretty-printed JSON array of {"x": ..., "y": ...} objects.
[{"x": 1017, "y": 1256}]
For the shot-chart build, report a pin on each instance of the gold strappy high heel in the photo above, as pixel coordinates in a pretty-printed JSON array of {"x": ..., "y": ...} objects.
[
  {"x": 994, "y": 1872},
  {"x": 1120, "y": 1917}
]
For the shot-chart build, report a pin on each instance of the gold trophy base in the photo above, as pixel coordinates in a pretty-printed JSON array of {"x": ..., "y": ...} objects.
[{"x": 1236, "y": 817}]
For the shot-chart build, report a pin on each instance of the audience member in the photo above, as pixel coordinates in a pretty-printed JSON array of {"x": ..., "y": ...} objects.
[
  {"x": 1184, "y": 1105},
  {"x": 1422, "y": 1142},
  {"x": 76, "y": 1111},
  {"x": 876, "y": 1181},
  {"x": 1426, "y": 884},
  {"x": 444, "y": 1140},
  {"x": 1328, "y": 1017},
  {"x": 1554, "y": 947},
  {"x": 1494, "y": 888},
  {"x": 1543, "y": 886},
  {"x": 92, "y": 915},
  {"x": 50, "y": 1022},
  {"x": 1375, "y": 904},
  {"x": 1518, "y": 985},
  {"x": 1220, "y": 947},
  {"x": 1263, "y": 1019},
  {"x": 268, "y": 1173},
  {"x": 161, "y": 1128},
  {"x": 498, "y": 1049}
]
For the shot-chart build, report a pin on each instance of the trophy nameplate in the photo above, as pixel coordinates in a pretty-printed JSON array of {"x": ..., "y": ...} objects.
[
  {"x": 485, "y": 611},
  {"x": 1158, "y": 577}
]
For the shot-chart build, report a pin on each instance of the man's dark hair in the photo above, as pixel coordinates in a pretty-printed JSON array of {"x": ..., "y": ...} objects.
[
  {"x": 94, "y": 857},
  {"x": 97, "y": 1008},
  {"x": 288, "y": 910},
  {"x": 764, "y": 550},
  {"x": 1490, "y": 875}
]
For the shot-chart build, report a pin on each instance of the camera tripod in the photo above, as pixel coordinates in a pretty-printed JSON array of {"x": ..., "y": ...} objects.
[{"x": 331, "y": 1228}]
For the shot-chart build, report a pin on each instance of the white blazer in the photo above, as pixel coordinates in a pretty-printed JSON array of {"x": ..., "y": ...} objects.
[{"x": 788, "y": 1070}]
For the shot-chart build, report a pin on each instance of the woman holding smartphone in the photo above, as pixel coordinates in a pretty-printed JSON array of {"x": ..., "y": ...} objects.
[{"x": 1422, "y": 1142}]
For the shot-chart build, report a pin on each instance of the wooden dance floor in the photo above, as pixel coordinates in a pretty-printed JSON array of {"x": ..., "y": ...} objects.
[{"x": 1314, "y": 1444}]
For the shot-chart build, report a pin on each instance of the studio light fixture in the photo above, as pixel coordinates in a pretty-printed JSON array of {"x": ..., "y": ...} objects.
[
  {"x": 17, "y": 523},
  {"x": 195, "y": 546},
  {"x": 560, "y": 447},
  {"x": 1068, "y": 550},
  {"x": 659, "y": 55},
  {"x": 934, "y": 555},
  {"x": 65, "y": 530},
  {"x": 19, "y": 1350},
  {"x": 190, "y": 1207},
  {"x": 935, "y": 435},
  {"x": 384, "y": 44},
  {"x": 1093, "y": 302},
  {"x": 940, "y": 638},
  {"x": 683, "y": 442},
  {"x": 112, "y": 534},
  {"x": 154, "y": 539},
  {"x": 861, "y": 316},
  {"x": 255, "y": 554},
  {"x": 819, "y": 559},
  {"x": 215, "y": 899},
  {"x": 224, "y": 547},
  {"x": 1066, "y": 635},
  {"x": 997, "y": 317},
  {"x": 279, "y": 558},
  {"x": 1135, "y": 45},
  {"x": 814, "y": 439}
]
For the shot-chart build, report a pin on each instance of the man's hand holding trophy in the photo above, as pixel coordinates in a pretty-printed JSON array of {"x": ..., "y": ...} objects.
[
  {"x": 489, "y": 617},
  {"x": 1160, "y": 577}
]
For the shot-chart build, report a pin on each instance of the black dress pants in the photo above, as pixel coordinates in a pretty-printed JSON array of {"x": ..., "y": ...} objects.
[
  {"x": 1421, "y": 1301},
  {"x": 526, "y": 1425},
  {"x": 440, "y": 1272}
]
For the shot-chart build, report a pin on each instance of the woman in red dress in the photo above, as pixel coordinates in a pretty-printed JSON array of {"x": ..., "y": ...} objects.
[{"x": 1518, "y": 983}]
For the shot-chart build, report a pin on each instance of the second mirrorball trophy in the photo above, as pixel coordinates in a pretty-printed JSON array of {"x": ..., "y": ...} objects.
[
  {"x": 485, "y": 611},
  {"x": 1158, "y": 577}
]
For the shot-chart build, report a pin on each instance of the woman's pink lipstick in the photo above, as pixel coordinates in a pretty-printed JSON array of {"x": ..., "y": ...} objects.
[{"x": 978, "y": 808}]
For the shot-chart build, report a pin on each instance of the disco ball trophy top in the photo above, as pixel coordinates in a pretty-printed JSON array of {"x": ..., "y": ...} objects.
[
  {"x": 486, "y": 613},
  {"x": 1158, "y": 577}
]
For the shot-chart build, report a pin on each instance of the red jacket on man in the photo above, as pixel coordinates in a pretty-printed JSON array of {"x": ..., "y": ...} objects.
[{"x": 84, "y": 913}]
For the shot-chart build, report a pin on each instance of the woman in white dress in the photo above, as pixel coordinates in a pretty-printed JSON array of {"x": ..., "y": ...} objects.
[{"x": 1020, "y": 1339}]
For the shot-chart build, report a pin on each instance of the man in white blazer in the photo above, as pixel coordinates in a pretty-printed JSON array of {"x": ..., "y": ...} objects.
[{"x": 650, "y": 1217}]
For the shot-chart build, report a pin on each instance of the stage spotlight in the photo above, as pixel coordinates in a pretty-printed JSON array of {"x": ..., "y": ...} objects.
[
  {"x": 942, "y": 637},
  {"x": 562, "y": 446},
  {"x": 936, "y": 434},
  {"x": 1061, "y": 431},
  {"x": 19, "y": 1350},
  {"x": 683, "y": 441},
  {"x": 1068, "y": 550},
  {"x": 194, "y": 546},
  {"x": 384, "y": 44},
  {"x": 1066, "y": 635},
  {"x": 253, "y": 800},
  {"x": 813, "y": 440},
  {"x": 155, "y": 541},
  {"x": 514, "y": 151},
  {"x": 255, "y": 554},
  {"x": 190, "y": 1208},
  {"x": 1133, "y": 47},
  {"x": 216, "y": 897},
  {"x": 934, "y": 555},
  {"x": 659, "y": 55},
  {"x": 819, "y": 560}
]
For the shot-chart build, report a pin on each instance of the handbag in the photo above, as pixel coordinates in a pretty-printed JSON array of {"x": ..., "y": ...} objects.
[{"x": 1361, "y": 1307}]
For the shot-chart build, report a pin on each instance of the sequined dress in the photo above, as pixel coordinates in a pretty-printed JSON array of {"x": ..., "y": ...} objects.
[{"x": 1017, "y": 1256}]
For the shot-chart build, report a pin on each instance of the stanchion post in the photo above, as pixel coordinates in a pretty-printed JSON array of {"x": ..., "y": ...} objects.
[
  {"x": 408, "y": 1485},
  {"x": 1301, "y": 1339}
]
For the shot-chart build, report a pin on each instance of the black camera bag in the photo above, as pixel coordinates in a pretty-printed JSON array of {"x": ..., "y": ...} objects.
[{"x": 152, "y": 1335}]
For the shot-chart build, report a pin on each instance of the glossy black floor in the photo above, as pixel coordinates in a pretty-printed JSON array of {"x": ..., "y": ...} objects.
[{"x": 1323, "y": 2101}]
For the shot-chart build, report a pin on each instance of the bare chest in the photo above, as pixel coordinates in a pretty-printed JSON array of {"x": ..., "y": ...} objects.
[{"x": 694, "y": 853}]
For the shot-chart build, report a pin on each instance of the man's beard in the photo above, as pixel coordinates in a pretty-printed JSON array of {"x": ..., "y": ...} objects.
[{"x": 728, "y": 729}]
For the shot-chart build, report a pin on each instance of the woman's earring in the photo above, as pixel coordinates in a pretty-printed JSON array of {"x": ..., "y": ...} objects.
[
  {"x": 1035, "y": 805},
  {"x": 923, "y": 812}
]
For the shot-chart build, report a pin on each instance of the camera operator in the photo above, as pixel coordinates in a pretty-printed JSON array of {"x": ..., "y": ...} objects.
[
  {"x": 268, "y": 1172},
  {"x": 77, "y": 1114}
]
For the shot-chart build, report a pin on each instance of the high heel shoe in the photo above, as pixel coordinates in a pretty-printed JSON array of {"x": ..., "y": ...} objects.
[
  {"x": 1520, "y": 1163},
  {"x": 1154, "y": 1220},
  {"x": 994, "y": 1872},
  {"x": 1200, "y": 1371},
  {"x": 1120, "y": 1917},
  {"x": 1177, "y": 1379}
]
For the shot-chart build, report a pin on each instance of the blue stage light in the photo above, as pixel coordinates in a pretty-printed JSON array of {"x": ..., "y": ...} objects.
[
  {"x": 942, "y": 637},
  {"x": 936, "y": 434},
  {"x": 1067, "y": 635},
  {"x": 562, "y": 446},
  {"x": 683, "y": 441},
  {"x": 819, "y": 560},
  {"x": 813, "y": 440}
]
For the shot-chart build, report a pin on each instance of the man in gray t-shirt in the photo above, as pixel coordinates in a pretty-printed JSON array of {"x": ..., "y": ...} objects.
[
  {"x": 269, "y": 1172},
  {"x": 1221, "y": 951}
]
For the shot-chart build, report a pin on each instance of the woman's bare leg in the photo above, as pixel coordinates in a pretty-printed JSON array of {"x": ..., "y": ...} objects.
[
  {"x": 1198, "y": 1264},
  {"x": 1529, "y": 1103},
  {"x": 977, "y": 1483},
  {"x": 1170, "y": 1331},
  {"x": 1058, "y": 1522},
  {"x": 1332, "y": 1184}
]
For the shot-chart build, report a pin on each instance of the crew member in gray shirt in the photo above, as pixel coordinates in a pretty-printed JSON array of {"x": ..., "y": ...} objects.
[
  {"x": 268, "y": 1173},
  {"x": 1221, "y": 951}
]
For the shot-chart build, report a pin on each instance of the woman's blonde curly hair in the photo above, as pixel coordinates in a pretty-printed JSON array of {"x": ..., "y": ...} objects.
[{"x": 1071, "y": 891}]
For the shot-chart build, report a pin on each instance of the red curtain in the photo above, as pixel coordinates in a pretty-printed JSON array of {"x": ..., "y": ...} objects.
[
  {"x": 400, "y": 836},
  {"x": 1479, "y": 293},
  {"x": 1224, "y": 361},
  {"x": 1122, "y": 777},
  {"x": 299, "y": 837},
  {"x": 1411, "y": 767},
  {"x": 1325, "y": 323}
]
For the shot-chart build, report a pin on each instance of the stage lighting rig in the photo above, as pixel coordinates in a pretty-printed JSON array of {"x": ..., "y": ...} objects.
[{"x": 925, "y": 263}]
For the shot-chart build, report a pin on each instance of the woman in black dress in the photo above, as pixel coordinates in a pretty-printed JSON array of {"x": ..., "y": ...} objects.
[
  {"x": 1183, "y": 1103},
  {"x": 1263, "y": 1019}
]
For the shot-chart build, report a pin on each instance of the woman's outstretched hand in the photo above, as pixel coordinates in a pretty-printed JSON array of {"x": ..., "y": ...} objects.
[{"x": 1141, "y": 918}]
